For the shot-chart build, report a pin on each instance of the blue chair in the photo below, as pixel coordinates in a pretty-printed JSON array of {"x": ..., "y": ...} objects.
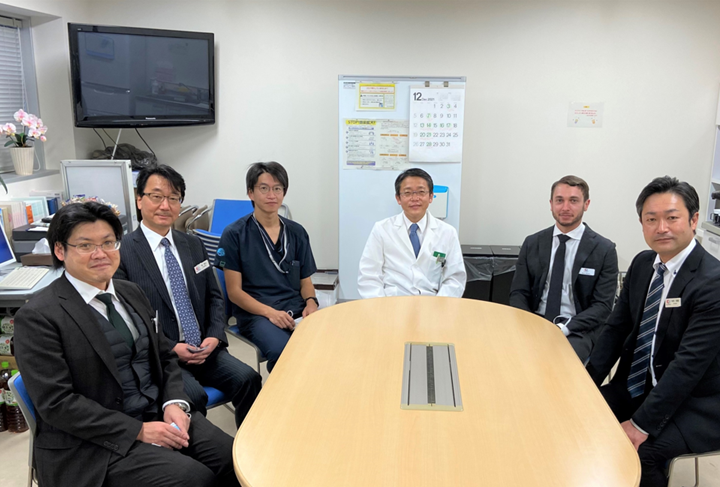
[
  {"x": 17, "y": 386},
  {"x": 216, "y": 398},
  {"x": 234, "y": 330},
  {"x": 227, "y": 211},
  {"x": 210, "y": 241}
]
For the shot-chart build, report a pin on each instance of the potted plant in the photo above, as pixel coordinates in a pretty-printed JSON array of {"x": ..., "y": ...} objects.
[{"x": 22, "y": 152}]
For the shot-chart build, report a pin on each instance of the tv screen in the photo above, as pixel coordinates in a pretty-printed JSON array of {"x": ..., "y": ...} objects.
[{"x": 127, "y": 77}]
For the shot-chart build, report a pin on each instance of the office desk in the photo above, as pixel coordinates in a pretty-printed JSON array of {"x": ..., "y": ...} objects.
[{"x": 330, "y": 413}]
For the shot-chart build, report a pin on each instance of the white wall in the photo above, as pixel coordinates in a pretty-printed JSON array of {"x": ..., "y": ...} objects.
[{"x": 655, "y": 65}]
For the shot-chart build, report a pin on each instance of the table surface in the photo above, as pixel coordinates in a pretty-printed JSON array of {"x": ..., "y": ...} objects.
[{"x": 329, "y": 415}]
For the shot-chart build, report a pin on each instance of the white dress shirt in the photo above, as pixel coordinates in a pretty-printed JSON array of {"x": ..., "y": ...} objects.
[
  {"x": 89, "y": 294},
  {"x": 673, "y": 266},
  {"x": 567, "y": 300},
  {"x": 421, "y": 226},
  {"x": 158, "y": 250}
]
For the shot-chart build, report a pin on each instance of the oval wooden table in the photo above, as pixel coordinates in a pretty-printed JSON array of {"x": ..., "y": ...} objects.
[{"x": 329, "y": 415}]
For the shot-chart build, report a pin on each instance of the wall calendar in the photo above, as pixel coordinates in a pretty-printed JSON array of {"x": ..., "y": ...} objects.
[{"x": 436, "y": 124}]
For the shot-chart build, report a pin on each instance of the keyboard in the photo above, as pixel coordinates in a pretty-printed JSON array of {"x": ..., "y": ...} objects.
[{"x": 23, "y": 278}]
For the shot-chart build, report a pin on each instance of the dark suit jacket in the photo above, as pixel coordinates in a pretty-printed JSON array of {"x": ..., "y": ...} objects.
[
  {"x": 73, "y": 381},
  {"x": 137, "y": 264},
  {"x": 593, "y": 294},
  {"x": 687, "y": 349}
]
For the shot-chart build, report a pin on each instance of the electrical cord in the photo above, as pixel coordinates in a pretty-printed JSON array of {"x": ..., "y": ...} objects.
[{"x": 148, "y": 145}]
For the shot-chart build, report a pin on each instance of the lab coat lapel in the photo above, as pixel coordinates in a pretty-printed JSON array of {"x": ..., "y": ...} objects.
[
  {"x": 430, "y": 237},
  {"x": 403, "y": 236}
]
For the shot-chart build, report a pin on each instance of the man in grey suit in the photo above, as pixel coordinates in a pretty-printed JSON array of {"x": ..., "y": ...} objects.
[
  {"x": 172, "y": 269},
  {"x": 105, "y": 384},
  {"x": 568, "y": 273}
]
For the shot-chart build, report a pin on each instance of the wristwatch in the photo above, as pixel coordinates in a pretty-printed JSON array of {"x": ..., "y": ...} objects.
[{"x": 314, "y": 299}]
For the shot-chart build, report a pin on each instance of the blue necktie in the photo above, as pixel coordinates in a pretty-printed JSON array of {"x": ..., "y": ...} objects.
[
  {"x": 643, "y": 345},
  {"x": 185, "y": 311},
  {"x": 414, "y": 240}
]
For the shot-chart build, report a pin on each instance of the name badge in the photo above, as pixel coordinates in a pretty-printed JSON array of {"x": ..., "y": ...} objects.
[
  {"x": 584, "y": 271},
  {"x": 202, "y": 266},
  {"x": 440, "y": 257},
  {"x": 673, "y": 303}
]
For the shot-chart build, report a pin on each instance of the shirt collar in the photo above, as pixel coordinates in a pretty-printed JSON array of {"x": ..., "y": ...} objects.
[
  {"x": 674, "y": 264},
  {"x": 421, "y": 224},
  {"x": 574, "y": 234},
  {"x": 88, "y": 291},
  {"x": 155, "y": 238}
]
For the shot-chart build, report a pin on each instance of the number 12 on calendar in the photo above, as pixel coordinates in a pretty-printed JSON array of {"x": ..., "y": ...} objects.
[{"x": 436, "y": 124}]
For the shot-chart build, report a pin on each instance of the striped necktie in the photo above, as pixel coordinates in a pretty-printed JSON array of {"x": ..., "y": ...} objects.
[
  {"x": 643, "y": 345},
  {"x": 185, "y": 311}
]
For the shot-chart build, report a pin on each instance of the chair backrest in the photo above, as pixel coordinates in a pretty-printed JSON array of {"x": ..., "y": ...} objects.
[
  {"x": 210, "y": 241},
  {"x": 201, "y": 220},
  {"x": 227, "y": 211},
  {"x": 17, "y": 386},
  {"x": 182, "y": 219}
]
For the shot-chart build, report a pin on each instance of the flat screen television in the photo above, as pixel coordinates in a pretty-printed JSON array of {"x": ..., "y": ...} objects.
[{"x": 126, "y": 77}]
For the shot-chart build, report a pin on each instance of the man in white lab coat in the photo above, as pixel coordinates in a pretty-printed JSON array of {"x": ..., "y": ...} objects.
[{"x": 412, "y": 253}]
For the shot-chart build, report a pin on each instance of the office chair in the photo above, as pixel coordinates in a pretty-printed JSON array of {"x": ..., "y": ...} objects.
[
  {"x": 226, "y": 212},
  {"x": 17, "y": 386},
  {"x": 234, "y": 330},
  {"x": 217, "y": 398},
  {"x": 695, "y": 456},
  {"x": 210, "y": 241},
  {"x": 201, "y": 220},
  {"x": 185, "y": 215}
]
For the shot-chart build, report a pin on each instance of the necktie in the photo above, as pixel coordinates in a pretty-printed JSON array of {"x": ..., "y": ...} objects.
[
  {"x": 116, "y": 320},
  {"x": 552, "y": 307},
  {"x": 414, "y": 240},
  {"x": 643, "y": 345},
  {"x": 185, "y": 311}
]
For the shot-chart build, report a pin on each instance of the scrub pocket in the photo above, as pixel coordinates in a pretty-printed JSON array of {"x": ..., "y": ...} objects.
[{"x": 294, "y": 275}]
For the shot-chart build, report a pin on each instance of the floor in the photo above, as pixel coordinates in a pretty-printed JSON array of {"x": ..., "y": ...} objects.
[{"x": 14, "y": 447}]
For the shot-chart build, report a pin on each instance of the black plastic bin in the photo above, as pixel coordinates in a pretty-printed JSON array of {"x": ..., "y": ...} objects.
[
  {"x": 479, "y": 265},
  {"x": 505, "y": 258}
]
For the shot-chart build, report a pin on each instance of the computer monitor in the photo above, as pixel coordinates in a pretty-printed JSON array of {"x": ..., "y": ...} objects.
[{"x": 6, "y": 253}]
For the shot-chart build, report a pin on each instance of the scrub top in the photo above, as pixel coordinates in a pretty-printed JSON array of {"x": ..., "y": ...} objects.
[{"x": 243, "y": 250}]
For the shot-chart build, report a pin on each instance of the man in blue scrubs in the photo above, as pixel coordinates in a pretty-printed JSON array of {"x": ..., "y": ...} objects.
[{"x": 268, "y": 262}]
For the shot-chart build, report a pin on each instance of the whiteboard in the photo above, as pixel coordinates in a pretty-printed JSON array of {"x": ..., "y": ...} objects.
[
  {"x": 110, "y": 180},
  {"x": 368, "y": 196}
]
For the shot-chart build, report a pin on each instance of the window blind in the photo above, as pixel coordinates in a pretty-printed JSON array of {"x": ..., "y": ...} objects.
[{"x": 13, "y": 95}]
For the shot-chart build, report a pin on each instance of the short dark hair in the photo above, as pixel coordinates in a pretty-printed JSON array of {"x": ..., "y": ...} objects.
[
  {"x": 174, "y": 178},
  {"x": 573, "y": 181},
  {"x": 413, "y": 173},
  {"x": 667, "y": 184},
  {"x": 70, "y": 216},
  {"x": 273, "y": 168}
]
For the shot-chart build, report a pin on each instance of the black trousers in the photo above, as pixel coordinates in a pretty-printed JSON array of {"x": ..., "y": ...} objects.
[
  {"x": 226, "y": 373},
  {"x": 207, "y": 461},
  {"x": 655, "y": 452}
]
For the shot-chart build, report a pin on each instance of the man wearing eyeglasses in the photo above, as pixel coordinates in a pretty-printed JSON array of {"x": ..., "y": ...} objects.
[
  {"x": 173, "y": 270},
  {"x": 267, "y": 262},
  {"x": 103, "y": 379},
  {"x": 412, "y": 253}
]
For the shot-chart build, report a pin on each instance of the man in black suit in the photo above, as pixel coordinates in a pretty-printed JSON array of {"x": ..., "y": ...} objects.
[
  {"x": 665, "y": 329},
  {"x": 105, "y": 384},
  {"x": 172, "y": 269},
  {"x": 568, "y": 273}
]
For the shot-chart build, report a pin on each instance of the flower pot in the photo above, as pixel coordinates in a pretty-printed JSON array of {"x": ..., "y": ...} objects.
[{"x": 23, "y": 158}]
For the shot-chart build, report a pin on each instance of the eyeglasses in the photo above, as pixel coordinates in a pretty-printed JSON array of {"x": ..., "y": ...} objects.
[
  {"x": 158, "y": 198},
  {"x": 89, "y": 248},
  {"x": 409, "y": 194},
  {"x": 277, "y": 190}
]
